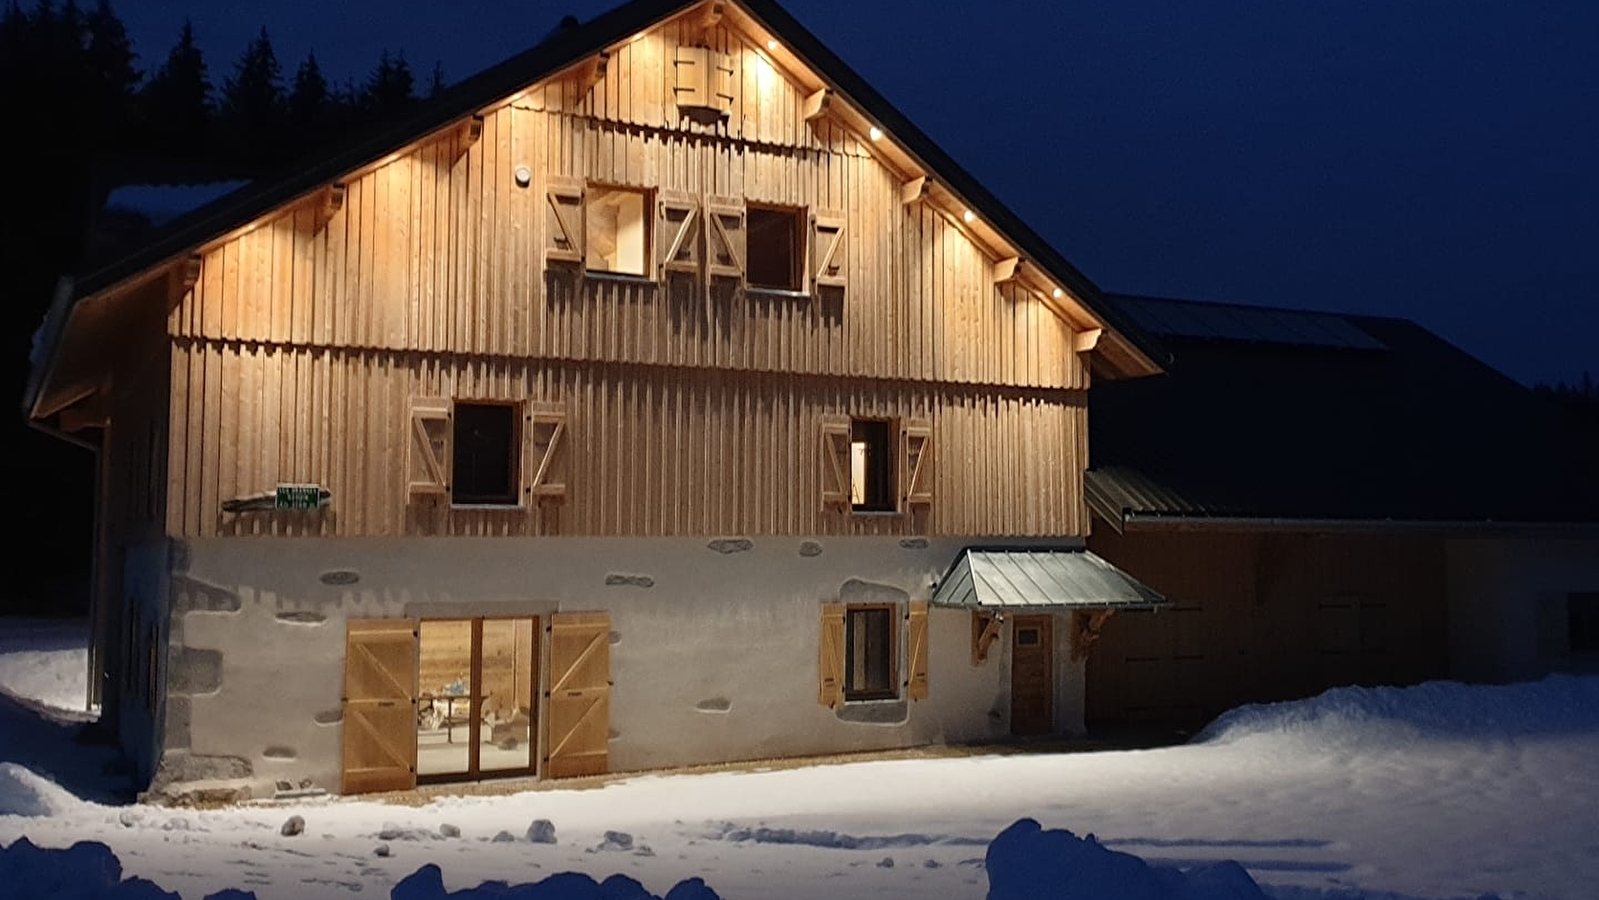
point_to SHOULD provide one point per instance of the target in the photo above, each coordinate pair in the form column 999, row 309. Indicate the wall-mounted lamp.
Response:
column 524, row 176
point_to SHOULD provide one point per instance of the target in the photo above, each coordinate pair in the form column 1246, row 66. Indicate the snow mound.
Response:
column 24, row 793
column 1559, row 704
column 1025, row 862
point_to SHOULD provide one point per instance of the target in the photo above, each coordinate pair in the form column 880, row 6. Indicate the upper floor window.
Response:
column 485, row 453
column 617, row 231
column 871, row 466
column 776, row 247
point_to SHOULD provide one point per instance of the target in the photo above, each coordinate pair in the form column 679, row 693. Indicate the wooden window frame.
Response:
column 798, row 281
column 514, row 453
column 851, row 693
column 884, row 500
column 594, row 192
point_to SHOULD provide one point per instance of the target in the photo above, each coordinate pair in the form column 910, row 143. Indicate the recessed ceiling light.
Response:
column 772, row 45
column 875, row 133
column 968, row 216
column 1059, row 293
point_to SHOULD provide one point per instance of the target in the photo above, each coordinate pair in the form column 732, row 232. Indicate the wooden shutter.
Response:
column 379, row 705
column 564, row 222
column 580, row 695
column 828, row 259
column 916, row 650
column 835, row 462
column 427, row 457
column 725, row 243
column 546, row 449
column 916, row 462
column 677, row 234
column 831, row 654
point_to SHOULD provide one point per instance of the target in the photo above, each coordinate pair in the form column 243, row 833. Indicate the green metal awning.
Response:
column 1041, row 579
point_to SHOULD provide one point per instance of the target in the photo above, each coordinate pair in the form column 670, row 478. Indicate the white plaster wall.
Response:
column 735, row 629
column 1495, row 589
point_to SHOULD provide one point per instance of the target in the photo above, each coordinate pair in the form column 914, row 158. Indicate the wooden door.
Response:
column 1032, row 675
column 580, row 695
column 379, row 705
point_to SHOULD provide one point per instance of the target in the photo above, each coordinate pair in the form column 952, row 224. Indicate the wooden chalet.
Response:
column 1332, row 499
column 660, row 396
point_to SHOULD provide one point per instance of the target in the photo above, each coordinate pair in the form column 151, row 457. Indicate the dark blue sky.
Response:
column 1431, row 159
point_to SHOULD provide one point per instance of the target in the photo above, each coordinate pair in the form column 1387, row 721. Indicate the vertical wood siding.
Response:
column 693, row 410
column 651, row 450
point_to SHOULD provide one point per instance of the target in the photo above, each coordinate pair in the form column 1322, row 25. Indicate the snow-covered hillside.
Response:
column 1437, row 791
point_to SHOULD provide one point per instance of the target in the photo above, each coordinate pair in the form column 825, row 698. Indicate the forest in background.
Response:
column 87, row 112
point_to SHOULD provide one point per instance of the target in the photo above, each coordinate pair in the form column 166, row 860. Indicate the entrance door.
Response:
column 1032, row 675
column 476, row 698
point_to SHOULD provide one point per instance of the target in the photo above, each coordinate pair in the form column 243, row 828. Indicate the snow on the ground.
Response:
column 1437, row 791
column 46, row 661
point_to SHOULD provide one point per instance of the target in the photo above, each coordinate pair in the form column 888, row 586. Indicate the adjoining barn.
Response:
column 1333, row 499
column 660, row 396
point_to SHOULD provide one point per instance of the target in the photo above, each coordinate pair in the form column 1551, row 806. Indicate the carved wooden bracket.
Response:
column 985, row 631
column 1086, row 627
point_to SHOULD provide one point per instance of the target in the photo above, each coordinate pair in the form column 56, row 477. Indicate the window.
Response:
column 775, row 245
column 484, row 471
column 1582, row 623
column 871, row 469
column 869, row 653
column 616, row 230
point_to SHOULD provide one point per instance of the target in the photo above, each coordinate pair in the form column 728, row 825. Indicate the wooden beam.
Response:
column 184, row 276
column 78, row 418
column 711, row 14
column 816, row 105
column 471, row 130
column 915, row 190
column 1086, row 340
column 1086, row 627
column 592, row 71
column 1007, row 269
column 985, row 631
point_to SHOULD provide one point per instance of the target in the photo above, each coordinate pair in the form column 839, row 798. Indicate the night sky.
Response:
column 1436, row 160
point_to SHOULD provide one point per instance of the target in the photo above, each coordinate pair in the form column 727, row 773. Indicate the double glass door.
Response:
column 477, row 698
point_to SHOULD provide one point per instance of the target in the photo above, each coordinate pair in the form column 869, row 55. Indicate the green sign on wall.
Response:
column 300, row 496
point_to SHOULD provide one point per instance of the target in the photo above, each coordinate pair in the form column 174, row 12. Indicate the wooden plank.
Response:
column 578, row 738
column 379, row 725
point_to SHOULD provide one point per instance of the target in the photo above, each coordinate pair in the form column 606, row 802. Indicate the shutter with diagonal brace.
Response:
column 379, row 730
column 725, row 237
column 578, row 741
column 828, row 258
column 916, row 650
column 563, row 221
column 835, row 462
column 916, row 462
column 830, row 657
column 427, row 457
column 677, row 234
column 546, row 448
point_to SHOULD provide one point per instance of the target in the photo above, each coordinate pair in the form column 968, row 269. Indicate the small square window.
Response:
column 869, row 653
column 485, row 468
column 1582, row 623
column 871, row 465
column 617, row 230
column 775, row 247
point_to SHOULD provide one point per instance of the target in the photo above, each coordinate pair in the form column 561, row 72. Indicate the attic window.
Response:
column 617, row 236
column 775, row 247
column 485, row 454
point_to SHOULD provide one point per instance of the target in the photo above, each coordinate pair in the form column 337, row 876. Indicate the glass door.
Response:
column 476, row 698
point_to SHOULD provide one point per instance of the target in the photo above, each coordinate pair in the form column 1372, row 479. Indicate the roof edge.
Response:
column 1159, row 522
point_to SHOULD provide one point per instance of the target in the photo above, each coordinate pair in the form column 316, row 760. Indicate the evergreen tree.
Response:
column 177, row 103
column 113, row 76
column 253, row 108
column 437, row 84
column 391, row 87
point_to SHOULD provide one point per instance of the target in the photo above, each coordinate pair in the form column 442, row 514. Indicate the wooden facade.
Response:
column 1262, row 616
column 692, row 404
